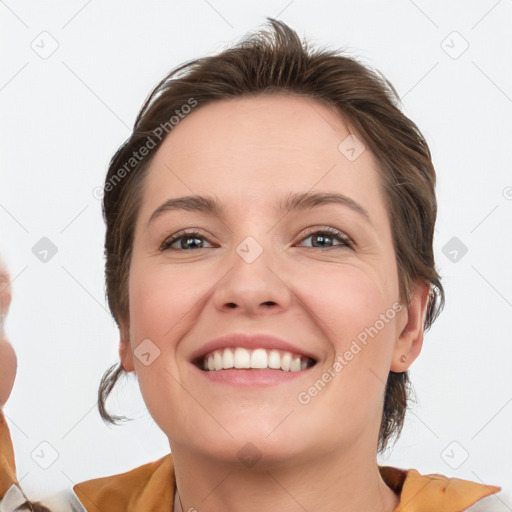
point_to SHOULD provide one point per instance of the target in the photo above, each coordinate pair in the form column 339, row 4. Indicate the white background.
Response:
column 64, row 116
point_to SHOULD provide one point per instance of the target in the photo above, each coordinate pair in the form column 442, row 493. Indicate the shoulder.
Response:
column 152, row 485
column 7, row 465
column 424, row 492
column 501, row 502
column 63, row 501
column 136, row 489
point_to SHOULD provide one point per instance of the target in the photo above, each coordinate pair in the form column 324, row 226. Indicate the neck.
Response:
column 328, row 482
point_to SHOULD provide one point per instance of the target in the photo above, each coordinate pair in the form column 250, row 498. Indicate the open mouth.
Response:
column 260, row 358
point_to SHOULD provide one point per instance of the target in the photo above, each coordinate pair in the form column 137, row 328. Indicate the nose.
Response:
column 253, row 287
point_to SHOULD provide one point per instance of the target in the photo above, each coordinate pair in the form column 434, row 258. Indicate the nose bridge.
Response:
column 253, row 281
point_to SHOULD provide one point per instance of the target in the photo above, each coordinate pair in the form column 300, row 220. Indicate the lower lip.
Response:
column 252, row 377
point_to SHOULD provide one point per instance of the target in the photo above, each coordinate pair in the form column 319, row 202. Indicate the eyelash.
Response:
column 335, row 233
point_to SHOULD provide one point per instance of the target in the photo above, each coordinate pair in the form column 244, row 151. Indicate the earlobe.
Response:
column 410, row 341
column 125, row 350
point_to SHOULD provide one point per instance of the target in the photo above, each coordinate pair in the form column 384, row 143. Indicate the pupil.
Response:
column 321, row 238
column 188, row 244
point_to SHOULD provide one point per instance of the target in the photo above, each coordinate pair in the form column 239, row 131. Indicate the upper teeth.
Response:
column 239, row 357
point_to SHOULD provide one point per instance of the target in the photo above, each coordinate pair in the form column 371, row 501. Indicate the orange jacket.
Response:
column 151, row 487
column 147, row 489
column 7, row 467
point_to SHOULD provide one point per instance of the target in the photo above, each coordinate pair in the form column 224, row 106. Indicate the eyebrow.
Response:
column 294, row 202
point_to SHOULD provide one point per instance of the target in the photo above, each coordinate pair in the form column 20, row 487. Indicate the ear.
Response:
column 410, row 340
column 125, row 349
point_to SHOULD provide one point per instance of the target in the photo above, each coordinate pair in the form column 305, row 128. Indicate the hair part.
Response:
column 276, row 61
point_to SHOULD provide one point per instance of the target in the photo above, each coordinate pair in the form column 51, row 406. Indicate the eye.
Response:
column 323, row 238
column 189, row 240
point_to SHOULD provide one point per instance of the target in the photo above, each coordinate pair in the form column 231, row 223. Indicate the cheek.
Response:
column 349, row 301
column 160, row 298
column 358, row 317
column 161, row 301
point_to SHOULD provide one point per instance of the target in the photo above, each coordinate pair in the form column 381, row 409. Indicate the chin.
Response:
column 253, row 454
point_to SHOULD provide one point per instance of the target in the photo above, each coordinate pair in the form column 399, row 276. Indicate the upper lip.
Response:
column 249, row 341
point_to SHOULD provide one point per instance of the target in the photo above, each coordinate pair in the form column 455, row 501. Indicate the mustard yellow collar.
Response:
column 7, row 466
column 147, row 489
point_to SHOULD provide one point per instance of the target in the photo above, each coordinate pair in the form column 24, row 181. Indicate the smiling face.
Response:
column 316, row 272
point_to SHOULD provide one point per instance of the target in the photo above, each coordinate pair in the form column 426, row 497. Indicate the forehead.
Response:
column 263, row 146
column 277, row 124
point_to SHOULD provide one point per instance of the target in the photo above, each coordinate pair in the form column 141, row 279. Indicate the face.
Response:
column 320, row 275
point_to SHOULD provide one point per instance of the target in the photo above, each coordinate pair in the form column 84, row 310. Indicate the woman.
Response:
column 269, row 264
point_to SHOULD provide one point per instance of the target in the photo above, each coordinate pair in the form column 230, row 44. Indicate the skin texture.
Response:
column 249, row 153
column 8, row 362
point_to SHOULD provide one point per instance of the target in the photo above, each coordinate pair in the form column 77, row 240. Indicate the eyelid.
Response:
column 330, row 231
column 186, row 232
column 190, row 232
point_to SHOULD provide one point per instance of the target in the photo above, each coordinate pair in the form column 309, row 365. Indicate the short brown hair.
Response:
column 276, row 61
